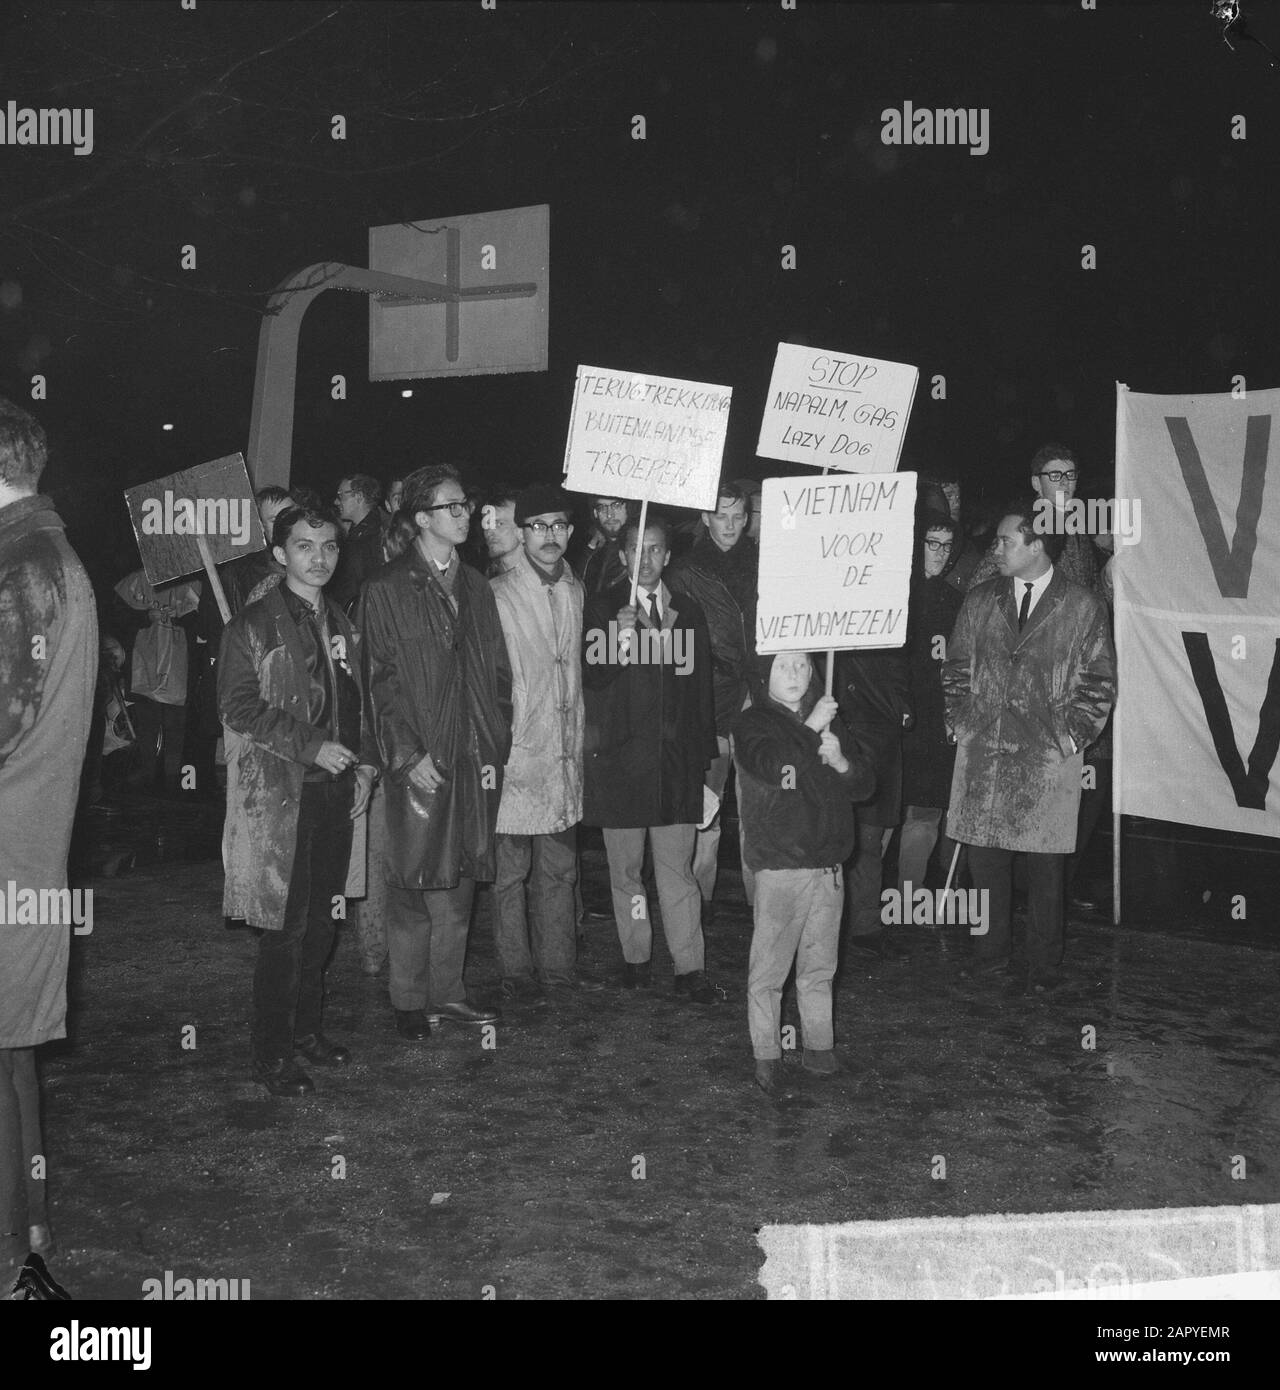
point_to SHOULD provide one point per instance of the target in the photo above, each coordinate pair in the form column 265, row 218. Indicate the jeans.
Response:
column 547, row 920
column 22, row 1197
column 992, row 869
column 797, row 921
column 288, row 984
column 672, row 847
column 427, row 942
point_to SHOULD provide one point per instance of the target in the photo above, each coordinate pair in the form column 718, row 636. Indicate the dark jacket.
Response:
column 263, row 689
column 361, row 556
column 436, row 684
column 709, row 577
column 874, row 691
column 650, row 731
column 602, row 568
column 797, row 813
column 927, row 754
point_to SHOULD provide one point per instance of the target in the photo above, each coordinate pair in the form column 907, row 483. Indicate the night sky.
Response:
column 1112, row 128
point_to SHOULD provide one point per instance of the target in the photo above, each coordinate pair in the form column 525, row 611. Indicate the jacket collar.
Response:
column 27, row 514
column 1052, row 597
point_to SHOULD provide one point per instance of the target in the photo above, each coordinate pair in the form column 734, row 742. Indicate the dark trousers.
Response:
column 1093, row 802
column 546, row 921
column 288, row 984
column 22, row 1202
column 992, row 870
column 863, row 879
column 158, row 723
column 427, row 944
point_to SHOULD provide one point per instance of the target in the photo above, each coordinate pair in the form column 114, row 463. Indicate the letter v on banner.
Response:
column 1250, row 787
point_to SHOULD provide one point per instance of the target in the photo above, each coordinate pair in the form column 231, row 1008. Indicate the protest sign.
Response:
column 835, row 562
column 646, row 437
column 195, row 519
column 835, row 410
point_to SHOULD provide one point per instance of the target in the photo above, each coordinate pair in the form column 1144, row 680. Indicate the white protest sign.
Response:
column 835, row 410
column 835, row 562
column 640, row 436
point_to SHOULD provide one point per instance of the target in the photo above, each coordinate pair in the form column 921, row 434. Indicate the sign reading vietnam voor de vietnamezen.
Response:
column 835, row 410
column 835, row 562
column 638, row 436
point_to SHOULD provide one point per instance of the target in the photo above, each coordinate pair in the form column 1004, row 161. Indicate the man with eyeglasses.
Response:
column 357, row 502
column 439, row 687
column 602, row 564
column 540, row 604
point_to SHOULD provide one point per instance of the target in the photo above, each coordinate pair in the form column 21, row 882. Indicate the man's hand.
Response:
column 823, row 713
column 829, row 752
column 364, row 790
column 626, row 618
column 426, row 776
column 334, row 757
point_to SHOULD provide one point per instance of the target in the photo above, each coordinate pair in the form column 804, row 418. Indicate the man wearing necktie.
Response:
column 1029, row 680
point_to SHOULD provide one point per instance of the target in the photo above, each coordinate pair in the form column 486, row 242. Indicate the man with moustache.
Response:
column 439, row 686
column 540, row 603
column 1029, row 681
column 289, row 694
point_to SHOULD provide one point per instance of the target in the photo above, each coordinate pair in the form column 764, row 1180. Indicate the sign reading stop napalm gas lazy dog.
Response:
column 835, row 562
column 653, row 437
column 836, row 410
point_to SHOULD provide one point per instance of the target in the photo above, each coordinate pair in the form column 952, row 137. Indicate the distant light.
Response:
column 166, row 427
column 406, row 394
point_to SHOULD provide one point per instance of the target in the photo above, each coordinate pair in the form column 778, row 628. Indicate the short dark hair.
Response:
column 1025, row 510
column 1046, row 453
column 283, row 525
column 368, row 487
column 400, row 535
column 936, row 521
column 421, row 486
column 653, row 522
column 502, row 494
column 735, row 493
column 271, row 493
column 306, row 497
column 24, row 447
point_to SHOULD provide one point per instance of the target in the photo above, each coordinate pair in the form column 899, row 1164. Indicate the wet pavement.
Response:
column 614, row 1145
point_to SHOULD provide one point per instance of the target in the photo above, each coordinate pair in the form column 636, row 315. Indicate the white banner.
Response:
column 835, row 562
column 1198, row 611
column 835, row 410
column 640, row 436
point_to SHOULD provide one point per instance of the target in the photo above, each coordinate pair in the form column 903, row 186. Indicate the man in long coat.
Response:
column 48, row 666
column 540, row 603
column 1028, row 681
column 650, row 737
column 290, row 699
column 439, row 688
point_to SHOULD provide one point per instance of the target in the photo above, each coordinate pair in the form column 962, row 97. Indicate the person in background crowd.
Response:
column 798, row 769
column 395, row 496
column 357, row 500
column 289, row 692
column 540, row 604
column 245, row 574
column 1095, row 794
column 874, row 692
column 502, row 537
column 927, row 752
column 720, row 574
column 601, row 568
column 439, row 683
column 158, row 672
column 650, row 735
column 751, row 490
column 48, row 666
column 1029, row 681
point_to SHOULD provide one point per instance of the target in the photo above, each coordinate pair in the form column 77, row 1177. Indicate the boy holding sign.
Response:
column 799, row 773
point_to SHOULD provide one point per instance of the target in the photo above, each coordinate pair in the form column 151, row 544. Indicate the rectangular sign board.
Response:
column 835, row 562
column 637, row 436
column 835, row 410
column 212, row 500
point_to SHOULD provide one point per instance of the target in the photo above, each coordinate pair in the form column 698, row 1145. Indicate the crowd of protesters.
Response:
column 422, row 692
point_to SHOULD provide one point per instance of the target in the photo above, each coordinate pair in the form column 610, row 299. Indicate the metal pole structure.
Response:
column 271, row 428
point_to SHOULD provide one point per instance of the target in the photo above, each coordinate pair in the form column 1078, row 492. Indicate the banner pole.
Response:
column 831, row 656
column 202, row 545
column 635, row 569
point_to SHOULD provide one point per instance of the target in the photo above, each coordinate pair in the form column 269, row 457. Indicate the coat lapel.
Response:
column 1053, row 596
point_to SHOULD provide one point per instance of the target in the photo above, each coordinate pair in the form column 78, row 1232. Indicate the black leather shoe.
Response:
column 573, row 984
column 636, row 976
column 462, row 1013
column 282, row 1076
column 412, row 1025
column 315, row 1047
column 36, row 1285
column 521, row 989
column 697, row 989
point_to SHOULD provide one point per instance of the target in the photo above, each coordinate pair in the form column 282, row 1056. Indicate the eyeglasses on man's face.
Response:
column 455, row 509
column 938, row 547
column 1057, row 475
column 611, row 506
column 540, row 528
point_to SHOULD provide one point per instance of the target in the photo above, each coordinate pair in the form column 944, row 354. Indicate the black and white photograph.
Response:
column 704, row 727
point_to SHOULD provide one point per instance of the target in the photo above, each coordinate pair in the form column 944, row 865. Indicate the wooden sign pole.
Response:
column 202, row 545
